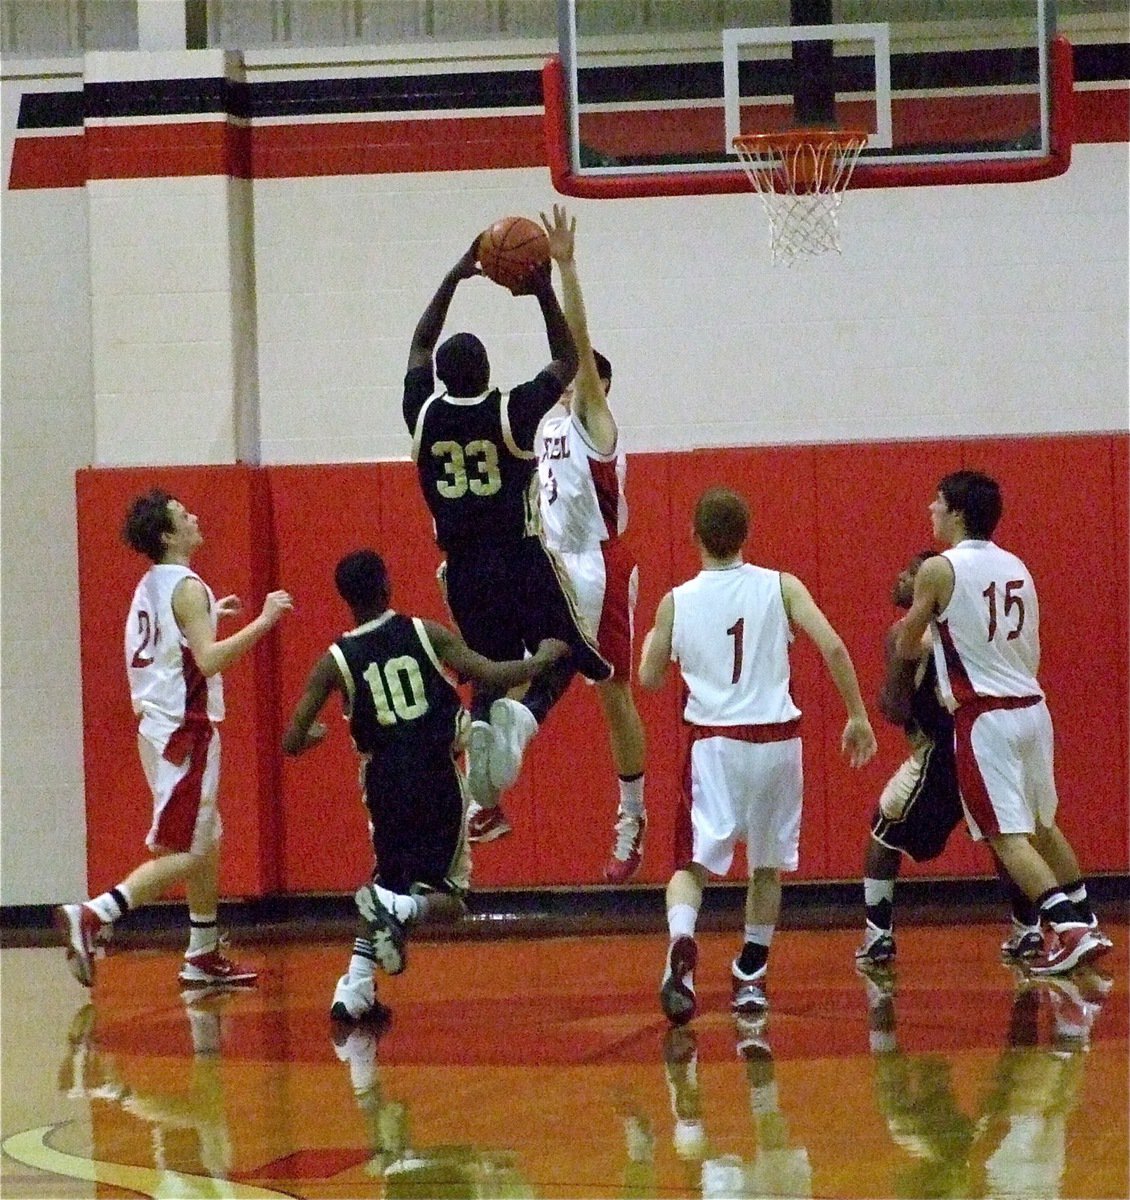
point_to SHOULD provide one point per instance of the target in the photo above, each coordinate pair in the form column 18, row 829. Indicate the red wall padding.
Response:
column 842, row 518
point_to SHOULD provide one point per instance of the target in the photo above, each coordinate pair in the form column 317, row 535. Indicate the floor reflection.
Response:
column 545, row 1069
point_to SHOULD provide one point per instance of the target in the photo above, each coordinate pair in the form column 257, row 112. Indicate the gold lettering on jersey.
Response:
column 554, row 446
column 472, row 468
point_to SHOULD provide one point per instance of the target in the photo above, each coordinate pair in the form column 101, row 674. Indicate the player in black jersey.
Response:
column 407, row 723
column 921, row 804
column 473, row 446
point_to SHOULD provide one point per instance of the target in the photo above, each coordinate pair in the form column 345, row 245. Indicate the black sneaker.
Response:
column 878, row 948
column 1023, row 944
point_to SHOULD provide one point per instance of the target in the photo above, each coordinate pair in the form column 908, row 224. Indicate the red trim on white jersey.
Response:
column 582, row 489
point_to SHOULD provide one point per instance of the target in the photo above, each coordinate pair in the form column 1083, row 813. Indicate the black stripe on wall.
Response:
column 405, row 93
column 454, row 91
column 167, row 97
column 50, row 110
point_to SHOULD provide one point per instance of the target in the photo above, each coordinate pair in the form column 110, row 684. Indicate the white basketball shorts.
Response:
column 1005, row 766
column 182, row 769
column 745, row 792
column 606, row 583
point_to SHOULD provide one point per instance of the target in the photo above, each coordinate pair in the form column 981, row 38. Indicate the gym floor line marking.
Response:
column 30, row 1148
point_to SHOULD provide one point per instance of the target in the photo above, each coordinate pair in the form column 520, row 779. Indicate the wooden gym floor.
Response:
column 542, row 1067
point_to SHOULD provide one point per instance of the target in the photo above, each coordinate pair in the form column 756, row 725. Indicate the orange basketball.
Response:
column 510, row 249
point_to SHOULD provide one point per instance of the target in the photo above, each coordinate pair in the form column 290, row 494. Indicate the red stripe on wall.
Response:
column 1102, row 116
column 388, row 147
column 48, row 162
column 177, row 149
column 463, row 143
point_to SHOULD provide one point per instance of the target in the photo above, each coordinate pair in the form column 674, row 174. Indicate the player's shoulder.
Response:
column 546, row 383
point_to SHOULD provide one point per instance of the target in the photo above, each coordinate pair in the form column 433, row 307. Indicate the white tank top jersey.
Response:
column 165, row 683
column 582, row 490
column 731, row 639
column 987, row 639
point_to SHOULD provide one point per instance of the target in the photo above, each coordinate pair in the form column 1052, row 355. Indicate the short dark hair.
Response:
column 721, row 521
column 147, row 519
column 362, row 581
column 977, row 497
column 603, row 366
column 462, row 365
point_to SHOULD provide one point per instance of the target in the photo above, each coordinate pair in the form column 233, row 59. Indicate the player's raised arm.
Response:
column 590, row 404
column 561, row 344
column 430, row 324
column 190, row 607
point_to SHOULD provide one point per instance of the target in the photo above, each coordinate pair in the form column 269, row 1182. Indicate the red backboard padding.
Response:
column 842, row 518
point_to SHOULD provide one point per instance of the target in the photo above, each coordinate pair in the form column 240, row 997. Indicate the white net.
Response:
column 800, row 177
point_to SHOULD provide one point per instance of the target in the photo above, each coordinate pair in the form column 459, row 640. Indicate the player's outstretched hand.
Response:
column 858, row 742
column 275, row 605
column 561, row 233
column 537, row 282
column 228, row 606
column 468, row 264
column 550, row 650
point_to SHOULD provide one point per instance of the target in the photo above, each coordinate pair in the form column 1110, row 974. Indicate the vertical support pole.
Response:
column 814, row 83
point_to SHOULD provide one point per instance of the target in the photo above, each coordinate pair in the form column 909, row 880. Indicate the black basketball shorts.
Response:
column 931, row 808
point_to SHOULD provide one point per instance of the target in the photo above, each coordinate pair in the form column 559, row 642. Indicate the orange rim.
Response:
column 790, row 139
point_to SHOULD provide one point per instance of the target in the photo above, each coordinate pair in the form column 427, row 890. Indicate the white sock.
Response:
column 761, row 934
column 681, row 919
column 875, row 891
column 631, row 795
column 110, row 905
column 361, row 965
column 202, row 935
column 403, row 908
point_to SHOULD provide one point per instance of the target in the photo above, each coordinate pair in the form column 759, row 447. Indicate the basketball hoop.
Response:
column 800, row 176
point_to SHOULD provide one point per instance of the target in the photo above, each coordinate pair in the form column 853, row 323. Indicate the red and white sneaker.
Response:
column 213, row 968
column 627, row 854
column 486, row 824
column 1105, row 944
column 81, row 929
column 676, row 993
column 1065, row 949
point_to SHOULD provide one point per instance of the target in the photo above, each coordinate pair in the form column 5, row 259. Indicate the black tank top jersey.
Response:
column 403, row 707
column 476, row 487
column 926, row 710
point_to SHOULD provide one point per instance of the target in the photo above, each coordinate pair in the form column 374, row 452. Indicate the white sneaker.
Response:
column 690, row 1140
column 479, row 743
column 386, row 931
column 353, row 999
column 514, row 726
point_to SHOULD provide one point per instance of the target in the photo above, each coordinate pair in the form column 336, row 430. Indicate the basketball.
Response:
column 510, row 249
